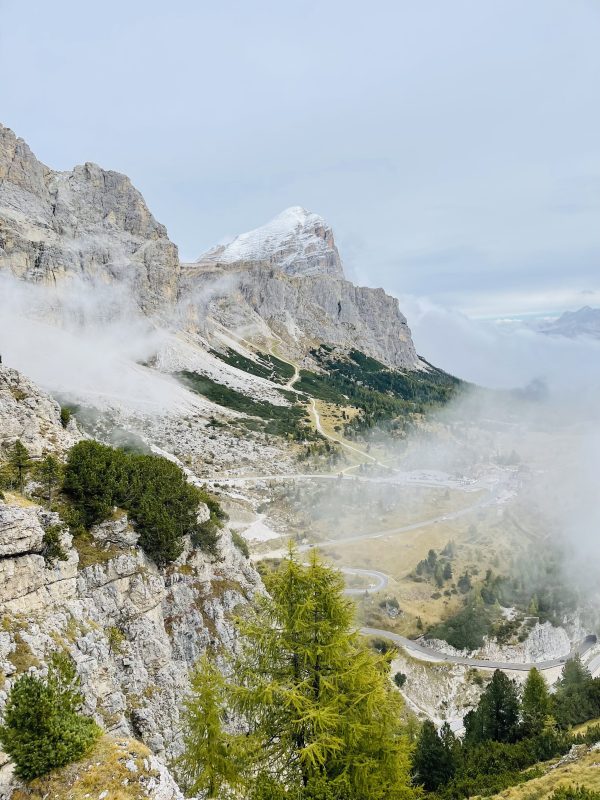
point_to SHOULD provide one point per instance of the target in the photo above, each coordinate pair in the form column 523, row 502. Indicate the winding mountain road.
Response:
column 489, row 499
column 418, row 648
column 295, row 376
column 379, row 580
column 398, row 479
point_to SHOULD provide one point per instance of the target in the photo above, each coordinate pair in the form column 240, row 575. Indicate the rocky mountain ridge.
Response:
column 287, row 286
column 89, row 222
column 297, row 242
column 281, row 285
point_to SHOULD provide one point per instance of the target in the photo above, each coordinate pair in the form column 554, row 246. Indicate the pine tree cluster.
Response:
column 154, row 492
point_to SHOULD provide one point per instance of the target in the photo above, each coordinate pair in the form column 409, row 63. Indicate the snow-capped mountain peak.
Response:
column 297, row 241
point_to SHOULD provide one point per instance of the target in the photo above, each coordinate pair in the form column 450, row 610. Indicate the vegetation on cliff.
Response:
column 153, row 491
column 43, row 728
column 507, row 735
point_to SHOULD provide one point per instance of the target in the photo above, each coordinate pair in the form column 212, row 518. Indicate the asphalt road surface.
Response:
column 419, row 648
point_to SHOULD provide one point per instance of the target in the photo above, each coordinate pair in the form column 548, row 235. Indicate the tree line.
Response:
column 508, row 732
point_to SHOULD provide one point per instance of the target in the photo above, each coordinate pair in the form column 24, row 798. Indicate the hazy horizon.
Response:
column 454, row 148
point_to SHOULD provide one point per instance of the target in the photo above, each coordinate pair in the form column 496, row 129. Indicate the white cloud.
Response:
column 85, row 341
column 501, row 356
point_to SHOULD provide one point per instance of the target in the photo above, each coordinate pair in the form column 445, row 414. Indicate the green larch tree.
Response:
column 535, row 704
column 321, row 716
column 319, row 702
column 20, row 463
column 209, row 764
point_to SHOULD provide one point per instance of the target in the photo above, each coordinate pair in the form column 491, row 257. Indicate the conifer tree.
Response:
column 574, row 700
column 535, row 705
column 20, row 463
column 533, row 608
column 95, row 479
column 154, row 492
column 433, row 758
column 322, row 707
column 49, row 472
column 322, row 717
column 42, row 728
column 208, row 764
column 452, row 746
column 497, row 715
column 473, row 728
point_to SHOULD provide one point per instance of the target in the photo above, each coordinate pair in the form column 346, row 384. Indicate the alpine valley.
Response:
column 295, row 405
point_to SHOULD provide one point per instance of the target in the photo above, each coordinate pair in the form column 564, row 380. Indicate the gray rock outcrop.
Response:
column 27, row 582
column 29, row 414
column 133, row 630
column 87, row 223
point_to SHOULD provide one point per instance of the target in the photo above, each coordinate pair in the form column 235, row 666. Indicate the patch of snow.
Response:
column 299, row 241
column 256, row 244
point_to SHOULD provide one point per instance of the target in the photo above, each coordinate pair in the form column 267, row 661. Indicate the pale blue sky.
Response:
column 454, row 145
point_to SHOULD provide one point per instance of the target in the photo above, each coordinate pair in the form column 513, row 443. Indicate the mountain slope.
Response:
column 96, row 308
column 160, row 620
column 281, row 285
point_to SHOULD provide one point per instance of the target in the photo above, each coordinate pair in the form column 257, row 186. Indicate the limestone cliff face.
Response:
column 27, row 583
column 543, row 642
column 265, row 305
column 32, row 416
column 285, row 282
column 133, row 630
column 88, row 223
column 321, row 309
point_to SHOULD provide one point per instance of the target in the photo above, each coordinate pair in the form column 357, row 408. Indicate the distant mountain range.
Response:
column 584, row 322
